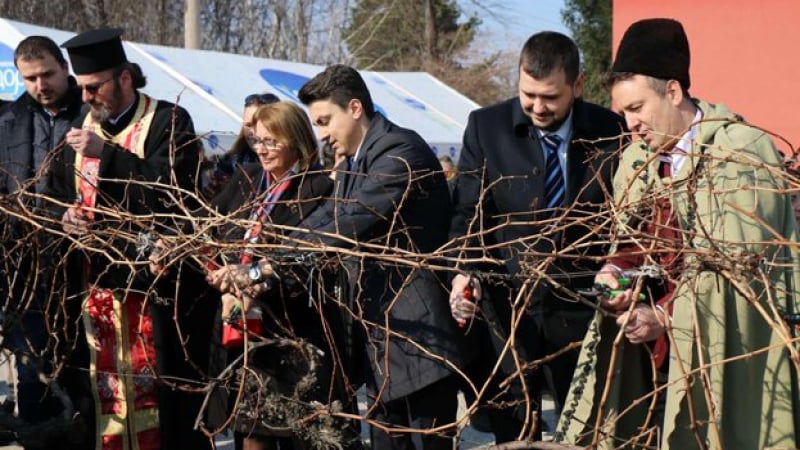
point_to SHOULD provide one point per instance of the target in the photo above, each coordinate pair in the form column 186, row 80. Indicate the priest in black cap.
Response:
column 116, row 180
column 698, row 192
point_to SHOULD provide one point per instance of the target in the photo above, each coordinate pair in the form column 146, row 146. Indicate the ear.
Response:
column 125, row 78
column 577, row 87
column 355, row 108
column 674, row 92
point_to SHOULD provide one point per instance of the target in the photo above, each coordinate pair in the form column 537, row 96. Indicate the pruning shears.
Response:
column 602, row 290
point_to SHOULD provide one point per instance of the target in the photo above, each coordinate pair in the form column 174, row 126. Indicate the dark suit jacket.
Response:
column 396, row 197
column 499, row 155
column 500, row 189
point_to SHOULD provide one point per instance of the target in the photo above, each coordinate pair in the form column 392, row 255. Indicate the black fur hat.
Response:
column 655, row 47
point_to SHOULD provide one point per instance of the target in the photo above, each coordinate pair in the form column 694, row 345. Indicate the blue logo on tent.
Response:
column 204, row 87
column 11, row 85
column 413, row 103
column 289, row 84
column 416, row 104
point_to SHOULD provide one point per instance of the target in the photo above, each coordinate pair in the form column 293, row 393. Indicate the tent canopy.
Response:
column 212, row 87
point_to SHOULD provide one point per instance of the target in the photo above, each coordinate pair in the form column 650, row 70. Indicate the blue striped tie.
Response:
column 554, row 183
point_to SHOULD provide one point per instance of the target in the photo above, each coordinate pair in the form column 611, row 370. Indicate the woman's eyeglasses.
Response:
column 268, row 143
column 260, row 99
column 92, row 88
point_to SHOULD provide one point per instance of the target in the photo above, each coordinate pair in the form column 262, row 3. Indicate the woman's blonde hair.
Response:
column 289, row 125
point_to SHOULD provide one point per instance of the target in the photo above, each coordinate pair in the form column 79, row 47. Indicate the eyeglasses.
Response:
column 94, row 87
column 268, row 143
column 260, row 99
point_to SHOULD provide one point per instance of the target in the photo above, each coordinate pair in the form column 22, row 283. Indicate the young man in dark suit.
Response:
column 534, row 172
column 389, row 193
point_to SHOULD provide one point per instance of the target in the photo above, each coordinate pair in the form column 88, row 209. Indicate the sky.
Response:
column 508, row 23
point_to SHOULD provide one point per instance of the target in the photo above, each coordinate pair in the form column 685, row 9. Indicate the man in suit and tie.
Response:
column 390, row 194
column 534, row 174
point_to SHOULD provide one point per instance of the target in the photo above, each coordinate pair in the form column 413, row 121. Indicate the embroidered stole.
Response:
column 118, row 323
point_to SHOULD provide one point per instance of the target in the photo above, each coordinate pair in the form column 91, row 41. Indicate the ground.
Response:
column 470, row 438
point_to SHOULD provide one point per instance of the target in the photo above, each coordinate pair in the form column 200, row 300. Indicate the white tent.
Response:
column 212, row 86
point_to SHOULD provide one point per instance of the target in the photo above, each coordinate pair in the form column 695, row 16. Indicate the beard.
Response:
column 46, row 99
column 556, row 122
column 100, row 112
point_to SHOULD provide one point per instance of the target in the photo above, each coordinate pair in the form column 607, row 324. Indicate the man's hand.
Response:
column 645, row 324
column 609, row 276
column 256, row 290
column 235, row 278
column 74, row 220
column 230, row 277
column 156, row 259
column 84, row 142
column 463, row 309
column 230, row 303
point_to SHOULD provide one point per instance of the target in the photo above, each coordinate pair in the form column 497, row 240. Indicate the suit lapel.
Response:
column 576, row 169
column 528, row 156
column 347, row 176
column 577, row 152
column 532, row 153
column 339, row 180
column 377, row 128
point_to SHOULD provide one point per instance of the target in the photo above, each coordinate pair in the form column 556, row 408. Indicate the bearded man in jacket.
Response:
column 122, row 175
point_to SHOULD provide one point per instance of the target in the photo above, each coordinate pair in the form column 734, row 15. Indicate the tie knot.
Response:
column 552, row 141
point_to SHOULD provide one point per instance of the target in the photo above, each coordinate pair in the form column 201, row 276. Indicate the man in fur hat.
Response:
column 702, row 360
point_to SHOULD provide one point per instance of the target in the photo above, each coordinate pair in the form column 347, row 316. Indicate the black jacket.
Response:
column 288, row 311
column 28, row 137
column 396, row 197
column 298, row 306
column 127, row 184
column 181, row 325
column 18, row 156
column 500, row 188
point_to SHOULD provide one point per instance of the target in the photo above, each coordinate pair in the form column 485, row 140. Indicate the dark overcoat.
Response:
column 394, row 199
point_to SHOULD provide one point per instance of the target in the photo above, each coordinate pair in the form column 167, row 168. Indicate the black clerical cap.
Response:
column 96, row 50
column 655, row 47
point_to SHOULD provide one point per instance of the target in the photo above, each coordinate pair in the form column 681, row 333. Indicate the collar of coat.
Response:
column 581, row 119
